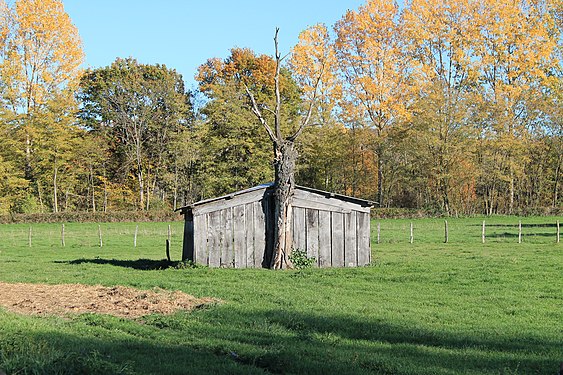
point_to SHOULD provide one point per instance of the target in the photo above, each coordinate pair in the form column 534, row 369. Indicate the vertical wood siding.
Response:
column 249, row 230
column 200, row 240
column 241, row 235
column 337, row 230
column 312, row 234
column 350, row 247
column 214, row 238
column 325, row 239
column 363, row 235
column 259, row 235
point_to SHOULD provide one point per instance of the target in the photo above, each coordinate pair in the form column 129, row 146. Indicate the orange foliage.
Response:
column 44, row 54
column 372, row 60
column 5, row 21
column 243, row 65
column 314, row 57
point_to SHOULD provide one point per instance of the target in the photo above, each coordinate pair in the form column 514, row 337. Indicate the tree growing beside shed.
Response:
column 285, row 156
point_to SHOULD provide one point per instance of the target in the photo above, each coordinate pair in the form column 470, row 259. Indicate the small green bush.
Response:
column 185, row 265
column 300, row 260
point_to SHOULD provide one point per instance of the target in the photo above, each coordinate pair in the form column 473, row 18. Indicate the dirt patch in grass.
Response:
column 41, row 299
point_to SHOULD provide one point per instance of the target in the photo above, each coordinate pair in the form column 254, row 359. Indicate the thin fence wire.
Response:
column 151, row 237
column 465, row 231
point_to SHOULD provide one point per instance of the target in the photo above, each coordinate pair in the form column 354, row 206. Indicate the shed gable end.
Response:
column 237, row 230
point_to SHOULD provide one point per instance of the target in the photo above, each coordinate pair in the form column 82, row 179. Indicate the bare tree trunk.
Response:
column 153, row 189
column 28, row 170
column 93, row 189
column 149, row 191
column 379, row 175
column 556, row 183
column 148, row 196
column 88, row 196
column 140, row 175
column 105, row 191
column 66, row 199
column 494, row 201
column 445, row 197
column 141, row 182
column 55, row 190
column 40, row 194
column 175, row 185
column 284, row 185
column 446, row 200
column 285, row 156
column 511, row 201
column 354, row 160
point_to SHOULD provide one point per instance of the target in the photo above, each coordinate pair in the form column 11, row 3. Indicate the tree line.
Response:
column 444, row 105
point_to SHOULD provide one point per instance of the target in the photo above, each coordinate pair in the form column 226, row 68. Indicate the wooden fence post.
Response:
column 29, row 237
column 100, row 235
column 63, row 235
column 558, row 232
column 519, row 231
column 378, row 231
column 446, row 232
column 168, row 243
column 483, row 233
column 135, row 238
column 412, row 234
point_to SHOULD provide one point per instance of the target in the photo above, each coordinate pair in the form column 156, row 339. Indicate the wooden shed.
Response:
column 236, row 230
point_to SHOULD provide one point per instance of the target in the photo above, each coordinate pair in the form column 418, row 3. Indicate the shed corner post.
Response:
column 188, row 243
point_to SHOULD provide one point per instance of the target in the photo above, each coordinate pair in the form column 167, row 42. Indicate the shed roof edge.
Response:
column 362, row 202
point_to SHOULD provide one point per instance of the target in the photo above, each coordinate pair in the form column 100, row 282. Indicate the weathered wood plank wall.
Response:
column 363, row 235
column 350, row 247
column 238, row 232
column 312, row 229
column 259, row 235
column 200, row 239
column 325, row 240
column 334, row 238
column 213, row 238
column 337, row 229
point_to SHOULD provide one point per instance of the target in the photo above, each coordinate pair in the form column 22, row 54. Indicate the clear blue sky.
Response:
column 184, row 34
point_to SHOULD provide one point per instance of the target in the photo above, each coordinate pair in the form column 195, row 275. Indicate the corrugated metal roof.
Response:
column 362, row 202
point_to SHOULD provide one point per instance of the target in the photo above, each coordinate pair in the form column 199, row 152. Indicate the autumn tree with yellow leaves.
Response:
column 40, row 71
column 452, row 107
column 441, row 37
column 375, row 73
column 515, row 50
column 453, row 97
column 335, row 154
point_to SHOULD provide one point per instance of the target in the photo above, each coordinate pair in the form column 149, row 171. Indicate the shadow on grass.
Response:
column 547, row 225
column 341, row 344
column 60, row 353
column 230, row 341
column 138, row 264
column 514, row 235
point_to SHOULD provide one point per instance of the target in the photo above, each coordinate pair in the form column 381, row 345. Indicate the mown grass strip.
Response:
column 424, row 308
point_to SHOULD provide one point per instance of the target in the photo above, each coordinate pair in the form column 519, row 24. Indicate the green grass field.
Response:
column 425, row 308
